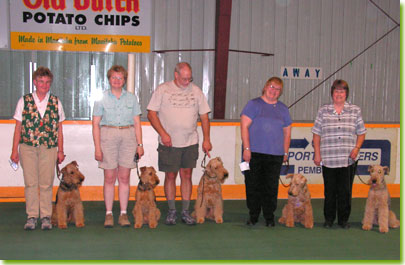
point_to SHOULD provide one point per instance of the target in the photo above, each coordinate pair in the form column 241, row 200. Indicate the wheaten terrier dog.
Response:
column 209, row 203
column 378, row 202
column 68, row 206
column 298, row 207
column 145, row 210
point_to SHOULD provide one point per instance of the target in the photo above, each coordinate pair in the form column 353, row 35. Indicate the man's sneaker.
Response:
column 31, row 223
column 46, row 223
column 123, row 220
column 171, row 217
column 186, row 218
column 109, row 221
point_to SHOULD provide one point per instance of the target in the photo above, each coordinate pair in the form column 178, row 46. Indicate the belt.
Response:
column 118, row 127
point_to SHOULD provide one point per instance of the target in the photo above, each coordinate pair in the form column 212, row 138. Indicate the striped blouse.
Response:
column 338, row 133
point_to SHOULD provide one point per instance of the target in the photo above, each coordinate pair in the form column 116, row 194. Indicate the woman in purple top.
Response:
column 266, row 133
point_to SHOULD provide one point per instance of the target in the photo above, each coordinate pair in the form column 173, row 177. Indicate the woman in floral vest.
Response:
column 38, row 144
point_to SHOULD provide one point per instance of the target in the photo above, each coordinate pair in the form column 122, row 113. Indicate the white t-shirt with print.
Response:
column 178, row 110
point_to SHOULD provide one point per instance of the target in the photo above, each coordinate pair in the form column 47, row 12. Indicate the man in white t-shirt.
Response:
column 173, row 112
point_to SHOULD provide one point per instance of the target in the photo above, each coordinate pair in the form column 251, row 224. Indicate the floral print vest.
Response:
column 36, row 131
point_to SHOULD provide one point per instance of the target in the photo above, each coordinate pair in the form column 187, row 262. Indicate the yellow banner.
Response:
column 79, row 42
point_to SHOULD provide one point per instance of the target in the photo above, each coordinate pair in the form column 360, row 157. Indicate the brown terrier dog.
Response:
column 145, row 210
column 378, row 202
column 68, row 206
column 209, row 203
column 298, row 207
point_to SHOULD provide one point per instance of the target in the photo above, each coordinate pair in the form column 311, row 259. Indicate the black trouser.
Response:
column 338, row 183
column 261, row 183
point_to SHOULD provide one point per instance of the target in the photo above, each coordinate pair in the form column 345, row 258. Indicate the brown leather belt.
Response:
column 118, row 127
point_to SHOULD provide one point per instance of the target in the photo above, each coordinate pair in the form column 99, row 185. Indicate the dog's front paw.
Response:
column 137, row 225
column 79, row 224
column 200, row 220
column 289, row 223
column 281, row 220
column 152, row 225
column 367, row 227
column 62, row 226
column 384, row 229
column 219, row 220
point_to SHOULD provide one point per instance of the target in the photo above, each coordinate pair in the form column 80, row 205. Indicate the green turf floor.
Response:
column 232, row 240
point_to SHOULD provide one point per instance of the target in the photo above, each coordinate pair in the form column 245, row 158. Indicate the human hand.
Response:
column 14, row 157
column 207, row 147
column 98, row 155
column 354, row 153
column 317, row 160
column 166, row 139
column 140, row 151
column 247, row 155
column 61, row 157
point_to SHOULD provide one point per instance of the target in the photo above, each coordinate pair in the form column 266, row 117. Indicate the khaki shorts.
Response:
column 171, row 159
column 118, row 147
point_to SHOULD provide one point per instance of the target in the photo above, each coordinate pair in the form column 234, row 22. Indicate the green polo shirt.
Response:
column 117, row 112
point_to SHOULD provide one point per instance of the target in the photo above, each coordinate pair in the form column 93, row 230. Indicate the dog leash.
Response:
column 204, row 161
column 58, row 173
column 203, row 165
column 286, row 172
column 357, row 174
column 136, row 160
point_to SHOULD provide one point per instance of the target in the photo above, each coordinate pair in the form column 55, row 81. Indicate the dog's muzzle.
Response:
column 144, row 186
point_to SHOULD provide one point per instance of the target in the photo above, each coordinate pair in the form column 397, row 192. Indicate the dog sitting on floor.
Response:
column 377, row 210
column 68, row 206
column 209, row 203
column 145, row 210
column 298, row 207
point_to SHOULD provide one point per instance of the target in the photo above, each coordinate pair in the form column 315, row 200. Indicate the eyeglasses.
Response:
column 275, row 88
column 187, row 79
column 117, row 78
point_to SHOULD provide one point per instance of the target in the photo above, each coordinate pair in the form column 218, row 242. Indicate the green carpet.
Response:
column 232, row 240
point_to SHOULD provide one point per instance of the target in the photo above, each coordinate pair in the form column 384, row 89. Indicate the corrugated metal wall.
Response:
column 312, row 33
column 317, row 33
column 178, row 25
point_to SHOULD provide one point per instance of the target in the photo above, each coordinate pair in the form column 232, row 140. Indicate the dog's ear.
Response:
column 75, row 163
column 370, row 167
column 208, row 169
column 219, row 159
column 157, row 180
column 142, row 169
column 64, row 170
column 289, row 176
column 386, row 170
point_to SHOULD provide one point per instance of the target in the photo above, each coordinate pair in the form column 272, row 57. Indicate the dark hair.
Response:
column 342, row 84
column 117, row 69
column 42, row 71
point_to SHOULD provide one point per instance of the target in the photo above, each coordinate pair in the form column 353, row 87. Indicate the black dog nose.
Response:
column 226, row 175
column 374, row 180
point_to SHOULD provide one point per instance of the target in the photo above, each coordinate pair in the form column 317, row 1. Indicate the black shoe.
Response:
column 345, row 225
column 251, row 222
column 328, row 224
column 270, row 223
